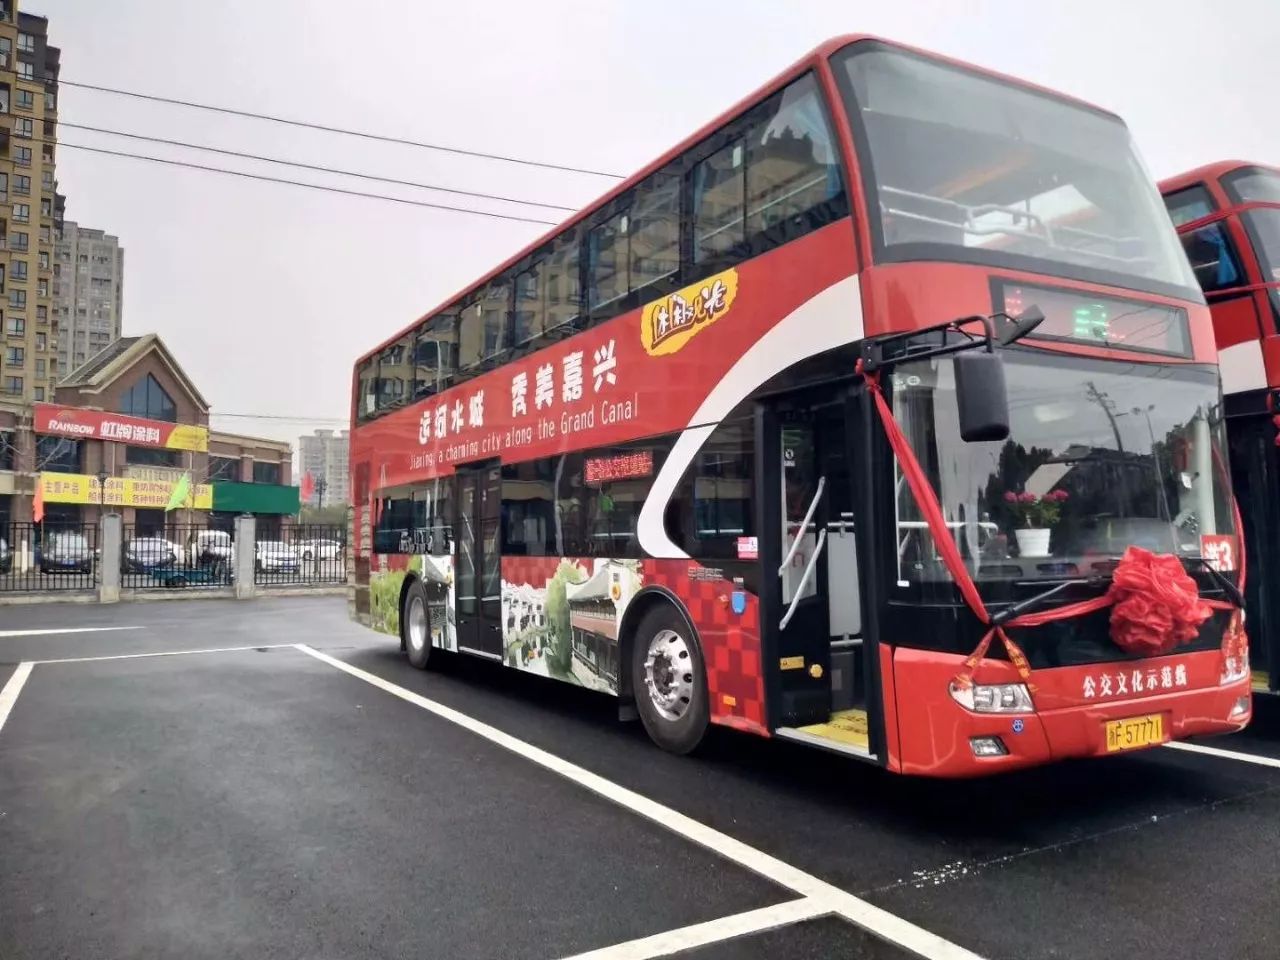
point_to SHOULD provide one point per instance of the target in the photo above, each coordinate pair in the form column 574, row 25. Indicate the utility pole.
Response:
column 1101, row 399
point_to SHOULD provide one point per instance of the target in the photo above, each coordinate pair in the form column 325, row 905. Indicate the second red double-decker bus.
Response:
column 882, row 414
column 1228, row 216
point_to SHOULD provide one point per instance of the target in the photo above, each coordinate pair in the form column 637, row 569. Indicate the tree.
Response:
column 560, row 659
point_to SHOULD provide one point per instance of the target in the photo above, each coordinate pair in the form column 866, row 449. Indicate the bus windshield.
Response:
column 1100, row 455
column 958, row 166
column 1253, row 185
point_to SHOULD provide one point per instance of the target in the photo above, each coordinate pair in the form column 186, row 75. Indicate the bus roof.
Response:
column 819, row 54
column 1210, row 171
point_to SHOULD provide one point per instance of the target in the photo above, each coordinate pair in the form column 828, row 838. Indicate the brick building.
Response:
column 138, row 377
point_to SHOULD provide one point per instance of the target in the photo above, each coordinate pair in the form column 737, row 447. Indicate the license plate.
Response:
column 1134, row 732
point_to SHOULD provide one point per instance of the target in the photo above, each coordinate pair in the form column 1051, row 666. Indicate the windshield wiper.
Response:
column 1229, row 588
column 1029, row 604
column 1017, row 609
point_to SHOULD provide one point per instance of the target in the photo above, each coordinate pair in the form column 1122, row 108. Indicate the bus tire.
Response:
column 669, row 680
column 415, row 625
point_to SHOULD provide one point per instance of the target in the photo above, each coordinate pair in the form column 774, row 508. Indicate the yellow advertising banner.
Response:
column 188, row 436
column 668, row 324
column 119, row 492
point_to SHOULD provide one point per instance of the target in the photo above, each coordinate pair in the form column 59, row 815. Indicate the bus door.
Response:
column 478, row 577
column 811, row 608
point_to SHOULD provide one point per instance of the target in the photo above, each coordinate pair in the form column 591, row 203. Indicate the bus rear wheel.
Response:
column 415, row 625
column 670, row 683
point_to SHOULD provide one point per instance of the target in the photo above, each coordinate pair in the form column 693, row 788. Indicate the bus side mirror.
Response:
column 981, row 396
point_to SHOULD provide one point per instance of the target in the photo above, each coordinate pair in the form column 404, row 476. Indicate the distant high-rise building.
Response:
column 87, row 293
column 28, row 194
column 324, row 456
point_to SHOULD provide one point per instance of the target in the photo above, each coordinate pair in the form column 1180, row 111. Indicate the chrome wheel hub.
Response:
column 417, row 622
column 668, row 674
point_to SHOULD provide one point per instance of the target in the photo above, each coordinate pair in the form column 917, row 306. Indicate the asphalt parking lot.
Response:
column 183, row 779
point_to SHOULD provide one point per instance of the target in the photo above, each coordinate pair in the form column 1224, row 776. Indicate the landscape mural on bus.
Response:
column 560, row 616
column 386, row 581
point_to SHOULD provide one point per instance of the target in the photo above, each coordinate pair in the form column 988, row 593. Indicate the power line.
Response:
column 300, row 183
column 315, row 167
column 279, row 416
column 309, row 125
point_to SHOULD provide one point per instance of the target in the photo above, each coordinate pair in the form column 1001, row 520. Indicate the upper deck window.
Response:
column 1189, row 204
column 1253, row 185
column 960, row 166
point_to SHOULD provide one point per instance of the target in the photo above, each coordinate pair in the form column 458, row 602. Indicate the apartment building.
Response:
column 324, row 456
column 88, row 286
column 29, row 208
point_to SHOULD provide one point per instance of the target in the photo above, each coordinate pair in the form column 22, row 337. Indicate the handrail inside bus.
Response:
column 1032, row 220
column 804, row 581
column 804, row 525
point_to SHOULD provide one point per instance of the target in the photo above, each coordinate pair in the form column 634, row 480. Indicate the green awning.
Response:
column 234, row 497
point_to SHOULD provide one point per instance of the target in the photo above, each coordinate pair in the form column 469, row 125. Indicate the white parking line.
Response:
column 9, row 695
column 713, row 931
column 4, row 634
column 168, row 653
column 880, row 922
column 1226, row 754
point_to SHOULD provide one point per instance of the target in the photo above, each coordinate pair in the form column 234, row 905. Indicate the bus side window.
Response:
column 719, row 194
column 794, row 184
column 607, row 255
column 367, row 397
column 1212, row 258
column 655, row 233
column 394, row 375
column 433, row 355
column 527, row 317
column 563, row 286
column 471, row 336
column 714, row 503
column 1189, row 204
column 496, row 303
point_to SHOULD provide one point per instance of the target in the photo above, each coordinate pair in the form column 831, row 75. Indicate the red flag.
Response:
column 37, row 502
column 308, row 487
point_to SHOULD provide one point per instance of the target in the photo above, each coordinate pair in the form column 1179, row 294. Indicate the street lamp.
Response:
column 102, row 491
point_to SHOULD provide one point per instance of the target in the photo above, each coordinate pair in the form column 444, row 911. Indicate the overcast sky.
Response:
column 266, row 293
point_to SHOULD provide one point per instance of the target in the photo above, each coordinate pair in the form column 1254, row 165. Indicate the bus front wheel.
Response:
column 670, row 681
column 415, row 624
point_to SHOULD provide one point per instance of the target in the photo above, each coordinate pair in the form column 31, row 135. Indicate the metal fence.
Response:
column 48, row 556
column 177, row 556
column 301, row 554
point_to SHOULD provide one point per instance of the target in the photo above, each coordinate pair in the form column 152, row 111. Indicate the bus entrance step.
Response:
column 844, row 732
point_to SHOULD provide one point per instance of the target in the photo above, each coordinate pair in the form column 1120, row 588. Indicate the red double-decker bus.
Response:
column 1228, row 217
column 881, row 414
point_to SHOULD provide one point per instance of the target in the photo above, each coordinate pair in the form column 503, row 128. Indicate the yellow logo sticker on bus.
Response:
column 668, row 324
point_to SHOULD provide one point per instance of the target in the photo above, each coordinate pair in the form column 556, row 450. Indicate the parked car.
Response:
column 147, row 553
column 273, row 556
column 319, row 549
column 66, row 551
column 6, row 558
column 207, row 548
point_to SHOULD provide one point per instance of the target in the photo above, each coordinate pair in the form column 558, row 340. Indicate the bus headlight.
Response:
column 1234, row 669
column 993, row 697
